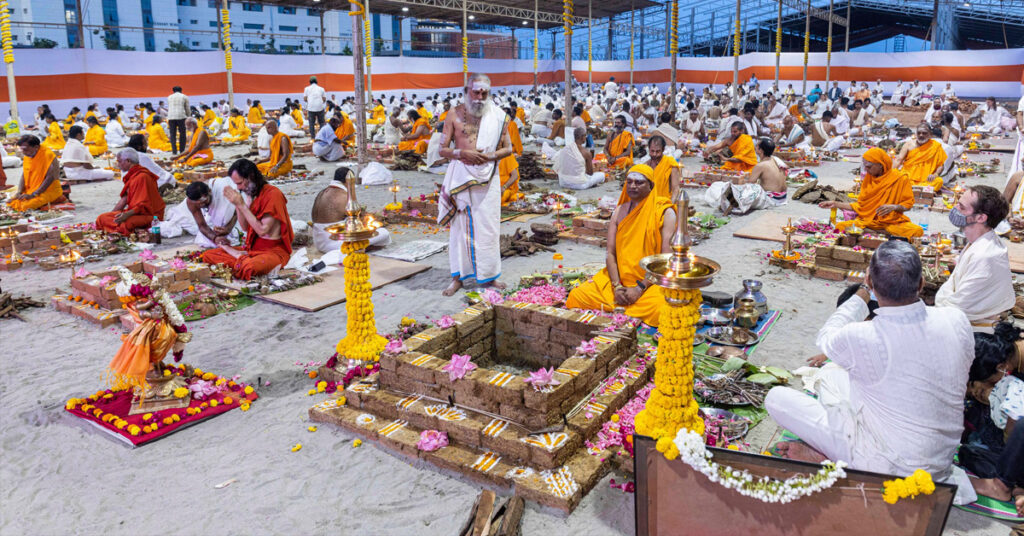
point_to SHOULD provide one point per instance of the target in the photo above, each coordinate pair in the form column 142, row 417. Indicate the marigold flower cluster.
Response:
column 361, row 342
column 918, row 483
column 671, row 406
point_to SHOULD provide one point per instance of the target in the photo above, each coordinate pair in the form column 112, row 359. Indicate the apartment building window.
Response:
column 252, row 26
column 147, row 24
column 214, row 45
column 213, row 24
column 215, row 4
column 187, row 3
column 286, row 10
column 193, row 21
column 71, row 23
column 288, row 28
column 248, row 6
column 112, row 34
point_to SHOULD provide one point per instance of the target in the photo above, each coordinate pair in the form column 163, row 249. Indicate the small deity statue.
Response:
column 159, row 328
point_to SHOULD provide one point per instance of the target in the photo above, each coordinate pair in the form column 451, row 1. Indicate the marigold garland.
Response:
column 918, row 483
column 361, row 342
column 671, row 406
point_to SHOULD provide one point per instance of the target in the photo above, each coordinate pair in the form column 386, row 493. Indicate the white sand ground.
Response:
column 58, row 477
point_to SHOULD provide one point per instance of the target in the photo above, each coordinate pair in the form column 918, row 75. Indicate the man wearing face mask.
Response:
column 980, row 285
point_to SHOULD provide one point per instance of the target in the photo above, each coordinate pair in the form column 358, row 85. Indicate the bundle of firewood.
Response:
column 491, row 516
column 9, row 305
column 521, row 244
column 530, row 167
column 407, row 161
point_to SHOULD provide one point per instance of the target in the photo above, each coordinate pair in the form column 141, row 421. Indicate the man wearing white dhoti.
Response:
column 329, row 208
column 894, row 402
column 980, row 285
column 288, row 125
column 763, row 187
column 792, row 135
column 470, row 199
column 77, row 162
column 326, row 145
column 205, row 213
column 574, row 162
column 263, row 142
column 8, row 160
column 776, row 112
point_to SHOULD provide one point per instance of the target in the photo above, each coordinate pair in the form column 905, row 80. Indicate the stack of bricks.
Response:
column 33, row 241
column 844, row 259
column 587, row 229
column 98, row 302
column 205, row 173
column 426, row 211
column 489, row 430
column 710, row 175
column 924, row 195
column 304, row 148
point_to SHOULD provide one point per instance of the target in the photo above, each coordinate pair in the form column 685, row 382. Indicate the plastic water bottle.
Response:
column 154, row 231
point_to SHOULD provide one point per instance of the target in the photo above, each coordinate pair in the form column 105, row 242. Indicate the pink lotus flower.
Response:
column 203, row 388
column 542, row 379
column 492, row 297
column 395, row 347
column 445, row 322
column 107, row 279
column 178, row 264
column 147, row 255
column 82, row 272
column 431, row 440
column 587, row 348
column 459, row 366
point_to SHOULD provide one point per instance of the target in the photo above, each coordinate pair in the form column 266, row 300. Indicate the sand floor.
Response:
column 59, row 477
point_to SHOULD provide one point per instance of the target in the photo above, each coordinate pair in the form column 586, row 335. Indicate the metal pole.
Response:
column 778, row 45
column 368, row 23
column 79, row 15
column 357, row 11
column 828, row 50
column 807, row 44
column 736, row 53
column 631, row 32
column 590, row 48
column 536, row 45
column 465, row 48
column 674, row 51
column 848, row 21
column 693, row 15
column 567, row 18
column 226, row 22
column 711, row 40
column 323, row 48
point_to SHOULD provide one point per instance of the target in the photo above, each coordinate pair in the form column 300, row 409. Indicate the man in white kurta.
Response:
column 114, row 134
column 981, row 285
column 893, row 400
column 992, row 117
column 571, row 165
column 470, row 199
column 216, row 210
column 78, row 163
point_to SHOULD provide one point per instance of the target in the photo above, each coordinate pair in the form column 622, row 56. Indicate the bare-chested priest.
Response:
column 471, row 193
column 329, row 209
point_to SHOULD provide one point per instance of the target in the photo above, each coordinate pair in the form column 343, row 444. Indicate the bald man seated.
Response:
column 329, row 209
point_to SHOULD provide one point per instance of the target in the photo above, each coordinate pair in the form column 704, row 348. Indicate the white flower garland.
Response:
column 693, row 451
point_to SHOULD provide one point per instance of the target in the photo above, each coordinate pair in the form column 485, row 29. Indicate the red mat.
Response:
column 108, row 411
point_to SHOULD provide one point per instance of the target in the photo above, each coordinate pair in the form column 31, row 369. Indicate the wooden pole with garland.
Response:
column 8, row 47
column 225, row 21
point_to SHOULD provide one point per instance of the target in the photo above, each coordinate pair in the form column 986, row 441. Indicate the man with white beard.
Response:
column 470, row 196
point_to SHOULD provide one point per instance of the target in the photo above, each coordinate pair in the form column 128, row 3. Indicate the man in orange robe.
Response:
column 268, row 242
column 885, row 195
column 140, row 198
column 279, row 162
column 508, row 167
column 666, row 171
column 198, row 151
column 640, row 227
column 744, row 157
column 619, row 149
column 418, row 137
column 922, row 159
column 346, row 131
column 40, row 180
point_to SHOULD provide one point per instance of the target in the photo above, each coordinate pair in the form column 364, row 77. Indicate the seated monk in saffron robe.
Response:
column 885, row 195
column 418, row 137
column 279, row 162
column 40, row 180
column 922, row 159
column 346, row 131
column 666, row 171
column 643, row 226
column 256, row 113
column 95, row 137
column 378, row 114
column 508, row 167
column 619, row 147
column 268, row 239
column 54, row 135
column 198, row 151
column 238, row 130
column 157, row 137
column 209, row 116
column 140, row 198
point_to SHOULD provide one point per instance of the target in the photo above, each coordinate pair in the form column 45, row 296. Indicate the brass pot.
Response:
column 746, row 315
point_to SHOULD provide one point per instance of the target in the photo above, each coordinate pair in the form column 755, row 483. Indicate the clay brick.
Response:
column 179, row 286
column 823, row 252
column 382, row 404
column 478, row 403
column 389, row 362
column 76, row 234
column 467, row 324
column 833, row 263
column 402, row 440
column 870, row 242
column 552, row 459
column 528, row 329
column 534, row 488
column 507, row 442
column 587, row 469
column 155, row 266
column 831, row 274
column 422, row 372
column 467, row 431
column 848, row 255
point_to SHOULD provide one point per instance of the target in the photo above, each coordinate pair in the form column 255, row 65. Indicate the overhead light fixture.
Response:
column 471, row 17
column 967, row 4
column 525, row 23
column 404, row 9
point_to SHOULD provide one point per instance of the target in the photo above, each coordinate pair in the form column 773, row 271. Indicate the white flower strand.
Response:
column 693, row 451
